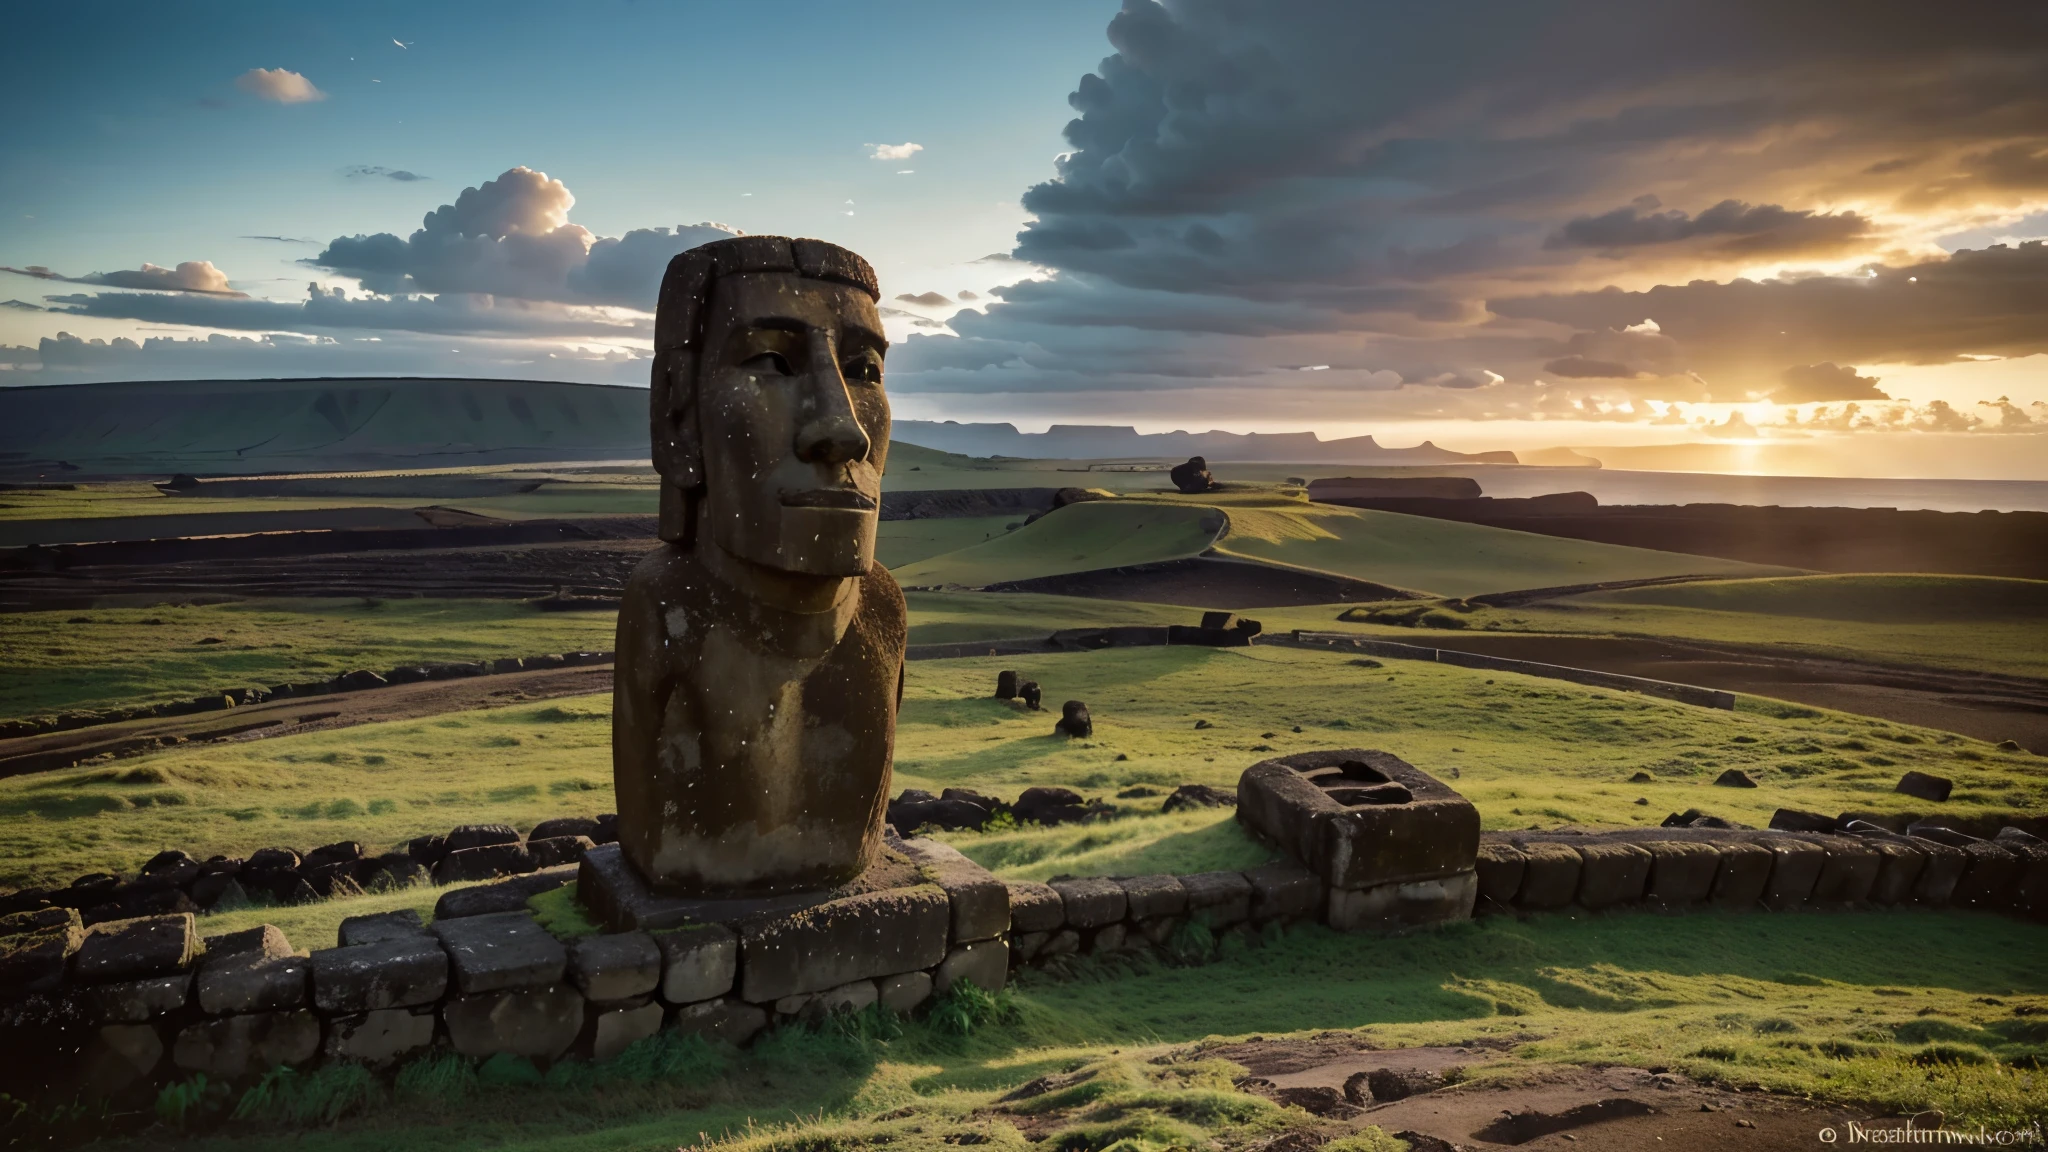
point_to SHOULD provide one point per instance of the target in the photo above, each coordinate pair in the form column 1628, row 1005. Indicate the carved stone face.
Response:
column 795, row 426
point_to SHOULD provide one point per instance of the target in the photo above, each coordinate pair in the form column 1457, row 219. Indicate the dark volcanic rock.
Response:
column 1199, row 796
column 1735, row 778
column 1923, row 786
column 481, row 835
column 1193, row 477
column 1028, row 692
column 1793, row 820
column 1006, row 685
column 1074, row 720
column 1050, row 806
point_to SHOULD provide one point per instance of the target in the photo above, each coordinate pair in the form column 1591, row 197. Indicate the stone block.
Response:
column 401, row 924
column 466, row 836
column 1158, row 931
column 1795, row 867
column 263, row 939
column 401, row 973
column 983, row 962
column 137, row 1001
column 1148, row 896
column 380, row 1037
column 1025, row 946
column 1899, row 866
column 1285, row 892
column 1035, row 907
column 537, row 1023
column 132, row 949
column 617, row 1029
column 1681, row 872
column 485, row 863
column 37, row 961
column 2030, row 889
column 980, row 903
column 1499, row 865
column 1360, row 818
column 39, row 920
column 231, row 1047
column 1406, row 904
column 1922, row 786
column 1744, row 873
column 848, row 998
column 1109, row 938
column 1550, row 876
column 854, row 938
column 615, row 966
column 558, row 850
column 508, row 895
column 1988, row 882
column 1945, row 866
column 1848, row 874
column 619, row 897
column 253, row 982
column 904, row 992
column 500, row 952
column 1064, row 942
column 732, row 1021
column 698, row 963
column 119, row 1056
column 1611, row 873
column 1090, row 902
column 1217, row 899
column 564, row 826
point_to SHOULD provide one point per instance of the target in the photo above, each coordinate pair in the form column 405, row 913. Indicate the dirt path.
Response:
column 300, row 714
column 1596, row 1109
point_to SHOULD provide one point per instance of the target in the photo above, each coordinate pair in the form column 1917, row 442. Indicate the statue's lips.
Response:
column 852, row 498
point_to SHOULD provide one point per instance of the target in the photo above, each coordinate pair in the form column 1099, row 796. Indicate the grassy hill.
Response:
column 1077, row 538
column 1867, row 599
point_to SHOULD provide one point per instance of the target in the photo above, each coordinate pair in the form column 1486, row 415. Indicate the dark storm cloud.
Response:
column 1737, row 229
column 65, row 357
column 451, row 313
column 1321, row 180
column 926, row 299
column 511, row 236
column 379, row 172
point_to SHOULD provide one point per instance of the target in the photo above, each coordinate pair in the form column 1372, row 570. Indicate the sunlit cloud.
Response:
column 279, row 85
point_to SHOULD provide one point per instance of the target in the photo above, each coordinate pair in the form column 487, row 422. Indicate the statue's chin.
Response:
column 826, row 542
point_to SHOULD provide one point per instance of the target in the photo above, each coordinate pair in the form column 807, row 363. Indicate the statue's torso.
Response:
column 744, row 763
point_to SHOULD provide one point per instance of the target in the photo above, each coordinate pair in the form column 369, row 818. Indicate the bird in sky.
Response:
column 401, row 43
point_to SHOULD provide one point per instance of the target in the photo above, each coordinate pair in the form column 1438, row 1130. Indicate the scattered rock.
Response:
column 1642, row 778
column 1006, row 685
column 1922, row 786
column 1074, row 720
column 2010, row 746
column 1794, row 820
column 564, row 826
column 1029, row 693
column 1734, row 778
column 1192, row 478
column 1199, row 796
column 1200, row 724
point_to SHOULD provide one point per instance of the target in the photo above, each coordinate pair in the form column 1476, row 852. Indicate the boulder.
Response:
column 399, row 924
column 616, row 1029
column 1049, row 806
column 1029, row 692
column 1793, row 820
column 264, row 939
column 468, row 836
column 537, row 1023
column 1500, row 867
column 39, row 919
column 132, row 949
column 564, row 826
column 1192, row 477
column 508, row 895
column 1735, row 778
column 1189, row 796
column 1006, row 685
column 137, row 1001
column 1922, row 786
column 500, row 952
column 1074, row 721
column 232, row 1047
column 403, row 972
column 253, row 982
column 905, row 992
column 617, row 966
column 485, row 862
column 697, row 963
column 36, row 961
column 346, row 852
column 394, row 870
column 555, row 850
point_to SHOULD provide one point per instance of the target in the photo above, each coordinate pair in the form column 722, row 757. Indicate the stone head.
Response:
column 770, row 427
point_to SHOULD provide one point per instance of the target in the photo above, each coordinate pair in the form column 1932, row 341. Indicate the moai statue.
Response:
column 760, row 647
column 1006, row 685
column 1192, row 478
column 1028, row 692
column 1074, row 720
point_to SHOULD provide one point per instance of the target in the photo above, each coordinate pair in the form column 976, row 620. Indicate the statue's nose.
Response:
column 830, row 432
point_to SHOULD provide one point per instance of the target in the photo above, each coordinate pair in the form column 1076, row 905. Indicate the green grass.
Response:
column 317, row 924
column 121, row 656
column 1820, row 1005
column 1077, row 538
column 957, row 617
column 1863, row 599
column 1526, row 751
column 96, row 501
column 902, row 542
column 1141, row 845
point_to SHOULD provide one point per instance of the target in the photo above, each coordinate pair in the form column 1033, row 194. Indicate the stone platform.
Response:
column 921, row 917
column 1393, row 846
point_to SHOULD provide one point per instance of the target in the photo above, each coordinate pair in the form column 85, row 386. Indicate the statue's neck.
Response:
column 798, row 614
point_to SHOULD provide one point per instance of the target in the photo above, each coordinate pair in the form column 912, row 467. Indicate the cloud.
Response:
column 511, row 236
column 199, row 276
column 1738, row 229
column 453, row 313
column 378, row 171
column 22, row 306
column 894, row 151
column 1431, row 190
column 284, row 239
column 1805, row 384
column 969, row 294
column 279, row 85
column 927, row 299
column 66, row 358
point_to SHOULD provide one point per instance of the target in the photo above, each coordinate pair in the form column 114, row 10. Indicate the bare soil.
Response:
column 1596, row 1109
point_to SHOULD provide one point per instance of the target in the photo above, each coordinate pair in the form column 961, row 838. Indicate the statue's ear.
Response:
column 674, row 434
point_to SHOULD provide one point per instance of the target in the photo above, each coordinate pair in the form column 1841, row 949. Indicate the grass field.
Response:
column 1968, row 623
column 1528, row 752
column 60, row 661
column 902, row 542
column 1825, row 1006
column 1077, row 538
column 557, row 498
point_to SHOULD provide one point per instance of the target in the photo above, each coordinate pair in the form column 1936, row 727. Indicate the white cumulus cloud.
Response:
column 902, row 151
column 279, row 84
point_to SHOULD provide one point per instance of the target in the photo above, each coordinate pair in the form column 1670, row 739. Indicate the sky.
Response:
column 1492, row 224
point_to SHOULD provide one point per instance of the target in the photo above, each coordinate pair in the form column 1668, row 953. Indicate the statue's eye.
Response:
column 863, row 368
column 768, row 364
